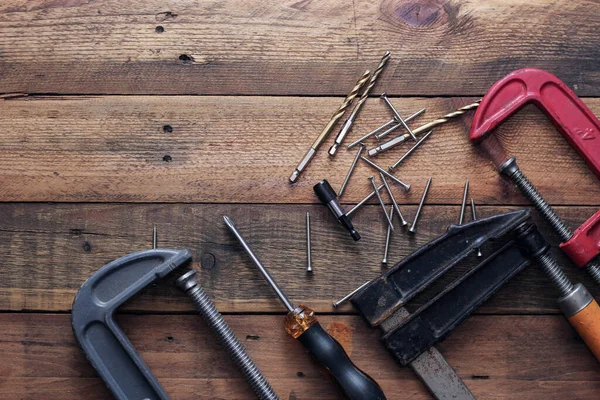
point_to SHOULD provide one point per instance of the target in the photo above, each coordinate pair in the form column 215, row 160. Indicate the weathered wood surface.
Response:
column 51, row 249
column 291, row 47
column 243, row 149
column 499, row 357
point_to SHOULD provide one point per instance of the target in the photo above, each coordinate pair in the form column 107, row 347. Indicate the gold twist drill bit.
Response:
column 329, row 127
column 348, row 124
column 423, row 128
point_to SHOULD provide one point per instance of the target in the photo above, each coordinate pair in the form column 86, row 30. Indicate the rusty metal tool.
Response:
column 329, row 127
column 423, row 128
column 365, row 94
column 302, row 324
column 410, row 338
column 573, row 119
column 393, row 122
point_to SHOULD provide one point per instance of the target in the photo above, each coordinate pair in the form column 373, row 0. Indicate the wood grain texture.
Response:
column 51, row 249
column 497, row 356
column 243, row 149
column 439, row 47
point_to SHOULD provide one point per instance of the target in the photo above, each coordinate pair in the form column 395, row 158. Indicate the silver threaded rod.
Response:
column 189, row 285
column 511, row 169
column 555, row 273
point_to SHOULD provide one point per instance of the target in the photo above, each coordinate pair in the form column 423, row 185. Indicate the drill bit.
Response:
column 365, row 94
column 423, row 128
column 330, row 125
column 463, row 205
column 382, row 127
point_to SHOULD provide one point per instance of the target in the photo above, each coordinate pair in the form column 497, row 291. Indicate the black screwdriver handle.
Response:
column 356, row 384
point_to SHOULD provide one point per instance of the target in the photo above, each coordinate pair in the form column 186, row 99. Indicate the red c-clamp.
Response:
column 570, row 116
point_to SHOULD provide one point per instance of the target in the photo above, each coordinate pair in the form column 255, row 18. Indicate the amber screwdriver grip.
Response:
column 302, row 324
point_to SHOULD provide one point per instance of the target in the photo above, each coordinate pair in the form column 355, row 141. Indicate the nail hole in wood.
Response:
column 184, row 58
column 87, row 247
column 159, row 29
column 167, row 129
column 167, row 158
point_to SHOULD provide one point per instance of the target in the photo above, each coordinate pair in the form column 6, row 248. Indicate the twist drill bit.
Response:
column 365, row 94
column 423, row 128
column 329, row 127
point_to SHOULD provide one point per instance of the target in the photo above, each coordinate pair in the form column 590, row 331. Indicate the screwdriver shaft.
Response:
column 349, row 295
column 259, row 264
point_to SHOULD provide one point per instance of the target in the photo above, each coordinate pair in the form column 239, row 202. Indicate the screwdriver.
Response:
column 301, row 324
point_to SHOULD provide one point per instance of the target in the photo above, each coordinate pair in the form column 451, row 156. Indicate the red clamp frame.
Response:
column 570, row 116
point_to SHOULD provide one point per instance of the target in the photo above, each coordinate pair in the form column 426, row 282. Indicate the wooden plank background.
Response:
column 120, row 115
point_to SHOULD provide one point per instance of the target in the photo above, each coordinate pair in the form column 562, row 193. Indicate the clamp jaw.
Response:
column 573, row 119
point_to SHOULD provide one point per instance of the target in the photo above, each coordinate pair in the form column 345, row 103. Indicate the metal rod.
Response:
column 350, row 295
column 397, row 115
column 463, row 205
column 330, row 125
column 257, row 262
column 362, row 202
column 365, row 94
column 474, row 216
column 395, row 165
column 423, row 128
column 351, row 170
column 406, row 186
column 389, row 220
column 413, row 227
column 154, row 237
column 394, row 202
column 399, row 124
column 308, row 258
column 388, row 236
column 373, row 132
